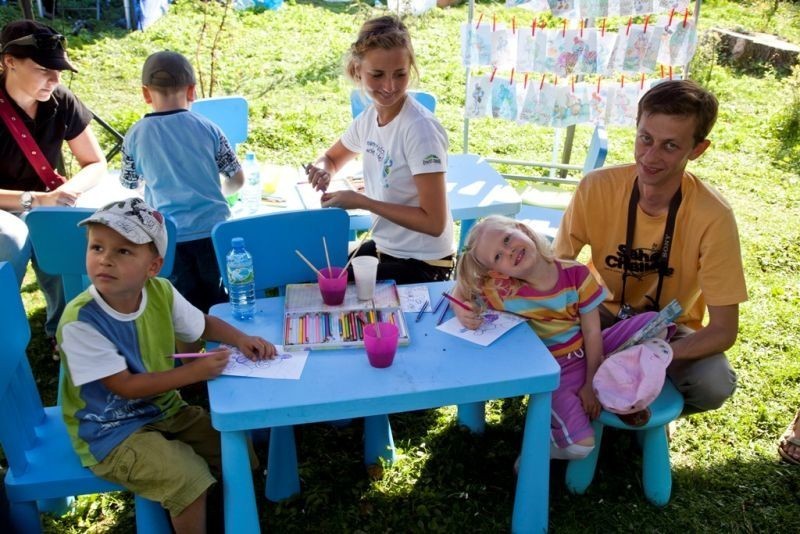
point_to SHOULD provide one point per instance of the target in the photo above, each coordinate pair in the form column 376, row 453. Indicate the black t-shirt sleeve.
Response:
column 75, row 114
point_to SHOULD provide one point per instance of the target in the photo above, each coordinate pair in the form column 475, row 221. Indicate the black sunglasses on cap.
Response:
column 42, row 41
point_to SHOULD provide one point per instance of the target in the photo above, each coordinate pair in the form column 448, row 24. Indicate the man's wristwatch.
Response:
column 26, row 200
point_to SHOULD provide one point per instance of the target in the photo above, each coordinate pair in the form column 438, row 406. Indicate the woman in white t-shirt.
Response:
column 404, row 151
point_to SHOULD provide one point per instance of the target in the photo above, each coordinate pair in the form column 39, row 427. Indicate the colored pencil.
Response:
column 438, row 304
column 444, row 312
column 182, row 355
column 454, row 300
column 421, row 311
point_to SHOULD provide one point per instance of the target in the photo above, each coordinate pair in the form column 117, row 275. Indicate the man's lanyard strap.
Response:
column 27, row 144
column 666, row 243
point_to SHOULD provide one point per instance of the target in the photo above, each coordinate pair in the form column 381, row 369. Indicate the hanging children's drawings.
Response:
column 563, row 8
column 285, row 365
column 494, row 325
column 533, row 5
column 593, row 10
column 476, row 44
column 529, row 101
column 478, row 97
column 504, row 48
column 504, row 99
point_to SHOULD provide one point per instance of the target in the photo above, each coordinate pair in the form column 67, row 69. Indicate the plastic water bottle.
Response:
column 251, row 193
column 241, row 280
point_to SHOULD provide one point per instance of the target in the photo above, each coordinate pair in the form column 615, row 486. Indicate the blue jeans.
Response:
column 15, row 248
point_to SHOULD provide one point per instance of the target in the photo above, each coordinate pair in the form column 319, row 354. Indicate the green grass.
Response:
column 726, row 473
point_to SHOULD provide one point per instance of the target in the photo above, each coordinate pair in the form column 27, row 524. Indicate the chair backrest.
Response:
column 272, row 239
column 20, row 405
column 359, row 101
column 60, row 245
column 598, row 150
column 227, row 112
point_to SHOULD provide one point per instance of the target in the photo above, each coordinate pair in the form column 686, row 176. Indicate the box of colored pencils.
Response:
column 309, row 323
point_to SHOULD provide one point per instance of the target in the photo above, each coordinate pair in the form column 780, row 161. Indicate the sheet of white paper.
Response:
column 286, row 365
column 494, row 325
column 412, row 298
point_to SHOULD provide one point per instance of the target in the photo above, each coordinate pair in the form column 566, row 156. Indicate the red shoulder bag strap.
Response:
column 27, row 144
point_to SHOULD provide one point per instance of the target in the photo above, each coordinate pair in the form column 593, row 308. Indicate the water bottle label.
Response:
column 240, row 275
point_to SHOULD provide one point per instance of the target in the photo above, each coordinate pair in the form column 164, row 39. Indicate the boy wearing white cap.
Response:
column 180, row 155
column 120, row 402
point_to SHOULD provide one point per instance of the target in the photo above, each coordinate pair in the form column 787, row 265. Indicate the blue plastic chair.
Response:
column 359, row 101
column 545, row 219
column 60, row 245
column 41, row 462
column 656, row 473
column 227, row 112
column 272, row 239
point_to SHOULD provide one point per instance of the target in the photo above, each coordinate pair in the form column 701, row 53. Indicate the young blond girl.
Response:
column 507, row 266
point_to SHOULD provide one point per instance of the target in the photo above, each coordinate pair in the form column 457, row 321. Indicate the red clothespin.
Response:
column 572, row 85
column 511, row 80
column 646, row 20
column 670, row 72
column 641, row 83
column 581, row 27
column 494, row 21
column 533, row 27
column 662, row 70
column 525, row 82
column 555, row 80
column 603, row 29
column 514, row 25
column 542, row 84
column 598, row 83
column 480, row 18
column 671, row 14
column 564, row 30
column 628, row 29
column 491, row 78
column 622, row 81
column 685, row 16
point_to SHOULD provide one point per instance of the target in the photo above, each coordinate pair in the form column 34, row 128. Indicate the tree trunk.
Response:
column 748, row 50
column 27, row 9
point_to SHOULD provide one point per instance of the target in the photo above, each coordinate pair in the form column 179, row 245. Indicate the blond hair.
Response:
column 471, row 274
column 387, row 32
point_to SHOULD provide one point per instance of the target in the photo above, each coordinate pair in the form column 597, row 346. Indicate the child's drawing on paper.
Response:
column 530, row 99
column 569, row 47
column 504, row 100
column 563, row 8
column 543, row 114
column 605, row 50
column 476, row 44
column 635, row 48
column 641, row 7
column 683, row 43
column 504, row 49
column 526, row 52
column 594, row 10
column 285, row 365
column 587, row 60
column 494, row 325
column 478, row 97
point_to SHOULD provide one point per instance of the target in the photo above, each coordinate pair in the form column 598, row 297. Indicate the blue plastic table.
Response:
column 435, row 369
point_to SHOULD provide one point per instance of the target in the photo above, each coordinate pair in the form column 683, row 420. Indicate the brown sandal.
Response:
column 791, row 437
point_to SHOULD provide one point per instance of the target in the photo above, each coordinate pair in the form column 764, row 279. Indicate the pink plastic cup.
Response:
column 380, row 350
column 332, row 286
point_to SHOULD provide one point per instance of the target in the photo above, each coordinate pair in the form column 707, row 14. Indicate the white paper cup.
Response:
column 365, row 270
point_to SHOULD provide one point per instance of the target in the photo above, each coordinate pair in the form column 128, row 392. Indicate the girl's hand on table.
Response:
column 343, row 199
column 468, row 318
column 257, row 348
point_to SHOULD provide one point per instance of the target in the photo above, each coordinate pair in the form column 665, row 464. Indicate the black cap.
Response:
column 37, row 42
column 167, row 69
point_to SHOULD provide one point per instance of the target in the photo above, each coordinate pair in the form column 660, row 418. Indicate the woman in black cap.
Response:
column 38, row 115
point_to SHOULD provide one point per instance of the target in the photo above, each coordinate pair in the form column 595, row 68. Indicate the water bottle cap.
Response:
column 237, row 242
